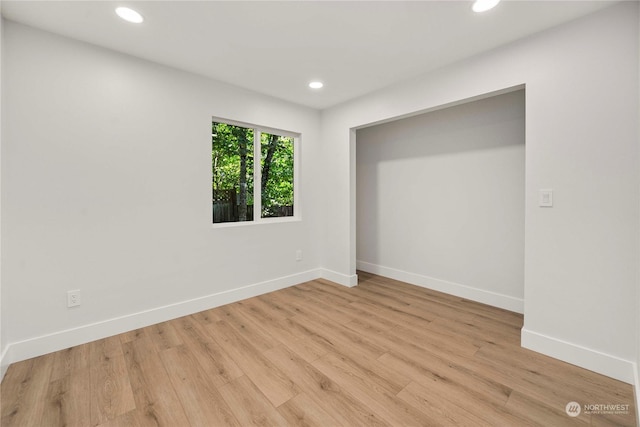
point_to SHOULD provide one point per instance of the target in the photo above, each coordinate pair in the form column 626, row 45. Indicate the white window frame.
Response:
column 257, row 175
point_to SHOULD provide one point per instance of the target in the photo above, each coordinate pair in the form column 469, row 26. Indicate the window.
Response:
column 253, row 172
column 276, row 182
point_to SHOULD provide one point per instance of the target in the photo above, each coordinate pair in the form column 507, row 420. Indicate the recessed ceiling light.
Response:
column 316, row 85
column 484, row 5
column 129, row 15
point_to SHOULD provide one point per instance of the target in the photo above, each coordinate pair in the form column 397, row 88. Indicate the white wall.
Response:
column 2, row 323
column 581, row 140
column 637, row 360
column 440, row 199
column 106, row 188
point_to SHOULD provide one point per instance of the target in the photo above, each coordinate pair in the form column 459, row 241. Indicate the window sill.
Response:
column 261, row 221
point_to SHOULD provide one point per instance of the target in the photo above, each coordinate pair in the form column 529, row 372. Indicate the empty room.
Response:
column 416, row 213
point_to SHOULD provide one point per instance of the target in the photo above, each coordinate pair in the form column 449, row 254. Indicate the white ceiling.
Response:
column 277, row 47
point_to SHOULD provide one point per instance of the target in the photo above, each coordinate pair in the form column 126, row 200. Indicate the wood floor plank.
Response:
column 278, row 299
column 404, row 290
column 203, row 403
column 213, row 358
column 341, row 305
column 135, row 418
column 313, row 307
column 366, row 328
column 154, row 395
column 259, row 338
column 376, row 371
column 476, row 330
column 333, row 335
column 67, row 361
column 433, row 370
column 434, row 341
column 276, row 304
column 15, row 390
column 422, row 302
column 249, row 405
column 111, row 393
column 342, row 406
column 301, row 411
column 441, row 411
column 67, row 404
column 260, row 310
column 24, row 392
column 276, row 386
column 374, row 394
column 386, row 317
column 273, row 307
column 131, row 335
column 492, row 412
column 411, row 309
column 208, row 317
column 307, row 349
column 318, row 290
column 272, row 327
column 278, row 329
column 163, row 335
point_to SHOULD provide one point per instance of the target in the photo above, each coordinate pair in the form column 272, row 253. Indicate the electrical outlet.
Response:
column 73, row 298
column 299, row 255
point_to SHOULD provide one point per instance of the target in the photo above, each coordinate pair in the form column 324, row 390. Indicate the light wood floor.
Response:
column 383, row 353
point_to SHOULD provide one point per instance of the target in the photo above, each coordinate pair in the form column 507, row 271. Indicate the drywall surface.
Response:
column 581, row 141
column 441, row 196
column 637, row 360
column 106, row 188
column 3, row 366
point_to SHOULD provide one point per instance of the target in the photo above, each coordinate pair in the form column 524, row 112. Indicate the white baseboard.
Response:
column 486, row 297
column 339, row 278
column 37, row 346
column 587, row 358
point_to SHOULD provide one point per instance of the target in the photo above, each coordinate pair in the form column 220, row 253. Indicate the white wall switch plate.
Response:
column 545, row 198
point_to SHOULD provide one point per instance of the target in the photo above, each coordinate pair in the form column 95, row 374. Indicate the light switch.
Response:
column 545, row 198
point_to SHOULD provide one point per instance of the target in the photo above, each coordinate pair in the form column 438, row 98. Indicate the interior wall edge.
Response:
column 4, row 364
column 636, row 390
column 460, row 290
column 636, row 378
column 452, row 103
column 593, row 360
